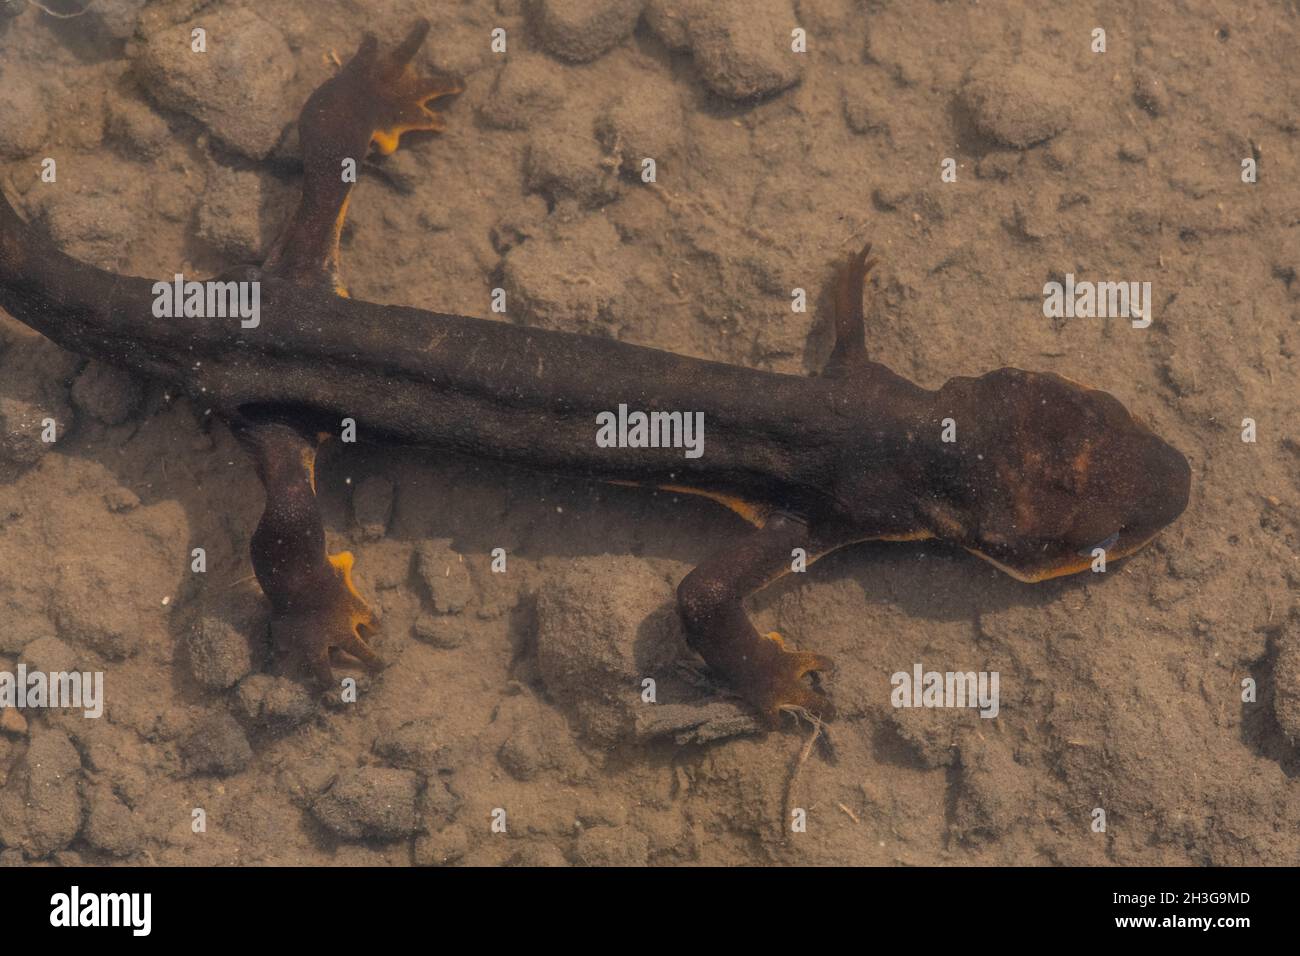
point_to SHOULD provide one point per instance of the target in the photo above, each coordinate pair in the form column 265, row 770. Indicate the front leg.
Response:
column 314, row 605
column 373, row 100
column 757, row 667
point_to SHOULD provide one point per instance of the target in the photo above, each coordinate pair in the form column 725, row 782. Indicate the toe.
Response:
column 354, row 645
column 808, row 700
column 320, row 666
column 404, row 52
column 806, row 662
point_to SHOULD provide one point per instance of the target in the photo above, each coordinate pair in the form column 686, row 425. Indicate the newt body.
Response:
column 1042, row 470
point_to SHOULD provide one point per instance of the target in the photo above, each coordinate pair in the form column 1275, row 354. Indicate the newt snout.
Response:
column 1044, row 471
column 1169, row 481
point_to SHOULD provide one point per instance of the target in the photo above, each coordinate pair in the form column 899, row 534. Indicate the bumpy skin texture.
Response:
column 1042, row 472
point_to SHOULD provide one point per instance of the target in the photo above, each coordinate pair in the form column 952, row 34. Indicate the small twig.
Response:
column 804, row 753
column 61, row 16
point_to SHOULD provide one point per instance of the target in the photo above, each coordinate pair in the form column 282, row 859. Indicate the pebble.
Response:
column 646, row 124
column 536, row 854
column 114, row 18
column 237, row 89
column 667, row 19
column 521, row 220
column 33, row 372
column 523, row 755
column 217, row 745
column 743, row 50
column 121, row 500
column 137, row 130
column 525, row 88
column 442, row 630
column 1018, row 106
column 582, row 30
column 999, row 164
column 865, row 108
column 110, row 825
column 442, row 848
column 414, row 746
column 572, row 280
column 274, row 703
column 1132, row 151
column 97, row 217
column 370, row 803
column 40, row 806
column 604, row 624
column 446, row 575
column 566, row 162
column 229, row 216
column 1286, row 687
column 888, row 198
column 1035, row 216
column 106, row 393
column 930, row 734
column 695, row 723
column 219, row 643
column 49, row 654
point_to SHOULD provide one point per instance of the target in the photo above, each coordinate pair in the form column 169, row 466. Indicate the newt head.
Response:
column 1043, row 471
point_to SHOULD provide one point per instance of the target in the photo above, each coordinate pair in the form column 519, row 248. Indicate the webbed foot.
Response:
column 377, row 95
column 373, row 100
column 315, row 607
column 336, row 620
column 759, row 668
column 774, row 680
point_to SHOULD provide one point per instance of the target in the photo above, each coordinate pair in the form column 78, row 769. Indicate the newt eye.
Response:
column 1104, row 545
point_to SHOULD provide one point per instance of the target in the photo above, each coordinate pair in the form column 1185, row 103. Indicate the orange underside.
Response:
column 753, row 513
column 757, row 515
column 1071, row 567
column 387, row 140
column 358, row 611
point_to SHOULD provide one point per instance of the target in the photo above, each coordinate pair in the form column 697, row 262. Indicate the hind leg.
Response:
column 373, row 100
column 759, row 668
column 315, row 608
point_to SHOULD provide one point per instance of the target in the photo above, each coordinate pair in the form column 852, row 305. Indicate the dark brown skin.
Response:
column 1043, row 470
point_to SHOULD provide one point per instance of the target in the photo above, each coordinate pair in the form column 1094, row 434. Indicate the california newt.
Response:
column 1041, row 470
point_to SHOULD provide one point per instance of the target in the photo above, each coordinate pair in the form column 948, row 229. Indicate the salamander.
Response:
column 1027, row 470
